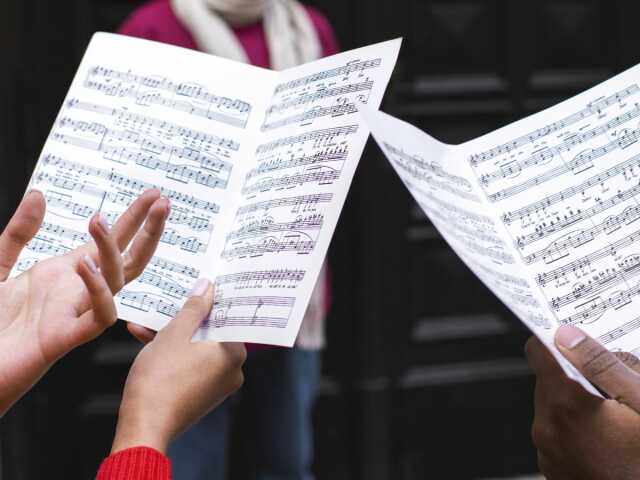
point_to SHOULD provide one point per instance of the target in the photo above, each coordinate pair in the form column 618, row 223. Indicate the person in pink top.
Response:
column 280, row 383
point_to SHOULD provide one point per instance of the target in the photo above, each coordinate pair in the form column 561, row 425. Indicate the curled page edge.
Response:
column 370, row 118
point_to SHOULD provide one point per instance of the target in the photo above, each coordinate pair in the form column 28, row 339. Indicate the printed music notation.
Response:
column 543, row 156
column 447, row 195
column 192, row 98
column 302, row 203
column 331, row 94
column 136, row 121
column 66, row 167
column 627, row 168
column 148, row 302
column 261, row 277
column 562, row 189
column 269, row 227
column 587, row 266
column 342, row 71
column 253, row 207
column 620, row 332
column 299, row 243
column 267, row 311
column 430, row 173
column 593, row 108
column 292, row 162
column 124, row 146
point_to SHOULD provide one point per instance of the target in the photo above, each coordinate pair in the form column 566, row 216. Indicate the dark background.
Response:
column 424, row 376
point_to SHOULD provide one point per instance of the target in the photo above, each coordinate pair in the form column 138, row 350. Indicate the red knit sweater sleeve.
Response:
column 139, row 463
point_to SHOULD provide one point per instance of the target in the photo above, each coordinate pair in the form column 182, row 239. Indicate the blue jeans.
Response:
column 279, row 389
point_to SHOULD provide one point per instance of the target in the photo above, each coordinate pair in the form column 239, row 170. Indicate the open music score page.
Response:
column 543, row 211
column 257, row 165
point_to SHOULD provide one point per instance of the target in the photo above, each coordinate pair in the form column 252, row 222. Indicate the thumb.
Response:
column 194, row 311
column 22, row 227
column 600, row 366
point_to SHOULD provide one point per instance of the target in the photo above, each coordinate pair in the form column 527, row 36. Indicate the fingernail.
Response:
column 104, row 224
column 200, row 288
column 570, row 337
column 90, row 263
column 167, row 205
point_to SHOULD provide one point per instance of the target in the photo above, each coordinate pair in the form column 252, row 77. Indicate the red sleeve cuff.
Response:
column 139, row 463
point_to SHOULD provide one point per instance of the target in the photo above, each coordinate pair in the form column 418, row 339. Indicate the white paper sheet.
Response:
column 543, row 211
column 257, row 165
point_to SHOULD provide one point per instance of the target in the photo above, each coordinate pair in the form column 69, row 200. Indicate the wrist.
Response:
column 137, row 431
column 20, row 369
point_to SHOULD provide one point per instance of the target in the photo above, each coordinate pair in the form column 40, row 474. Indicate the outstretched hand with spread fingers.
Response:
column 66, row 301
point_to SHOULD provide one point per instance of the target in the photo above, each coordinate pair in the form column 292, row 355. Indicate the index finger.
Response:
column 127, row 224
column 540, row 359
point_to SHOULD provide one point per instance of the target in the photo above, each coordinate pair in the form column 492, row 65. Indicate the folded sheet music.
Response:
column 257, row 165
column 544, row 211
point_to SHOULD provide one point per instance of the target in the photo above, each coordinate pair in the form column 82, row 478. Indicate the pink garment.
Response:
column 156, row 21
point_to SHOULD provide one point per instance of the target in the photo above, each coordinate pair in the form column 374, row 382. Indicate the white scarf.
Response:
column 291, row 36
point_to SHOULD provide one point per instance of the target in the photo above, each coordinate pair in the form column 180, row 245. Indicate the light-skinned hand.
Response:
column 174, row 382
column 66, row 301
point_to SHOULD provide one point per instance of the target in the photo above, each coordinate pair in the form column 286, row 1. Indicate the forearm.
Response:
column 134, row 430
column 19, row 372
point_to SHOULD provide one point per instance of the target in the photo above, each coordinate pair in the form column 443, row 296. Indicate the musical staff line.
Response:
column 543, row 278
column 312, row 114
column 259, row 276
column 545, row 230
column 268, row 227
column 594, row 309
column 167, row 128
column 307, row 98
column 516, row 167
column 591, row 109
column 431, row 167
column 569, row 192
column 318, row 136
column 351, row 67
column 303, row 161
column 619, row 332
column 322, row 177
column 302, row 201
column 130, row 182
column 576, row 166
column 629, row 269
column 233, row 112
column 269, row 245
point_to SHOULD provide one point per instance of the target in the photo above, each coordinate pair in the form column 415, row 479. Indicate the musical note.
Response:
column 193, row 98
column 304, row 201
column 571, row 191
column 343, row 71
column 262, row 276
column 128, row 182
column 244, row 311
column 591, row 109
